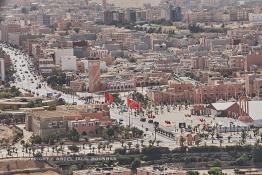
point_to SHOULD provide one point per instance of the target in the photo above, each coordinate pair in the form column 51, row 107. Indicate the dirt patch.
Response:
column 6, row 166
column 6, row 133
column 41, row 173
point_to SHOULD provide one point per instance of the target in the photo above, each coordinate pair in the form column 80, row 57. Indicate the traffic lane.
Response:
column 135, row 121
column 27, row 83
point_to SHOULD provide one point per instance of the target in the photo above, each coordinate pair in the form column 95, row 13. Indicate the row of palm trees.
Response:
column 137, row 145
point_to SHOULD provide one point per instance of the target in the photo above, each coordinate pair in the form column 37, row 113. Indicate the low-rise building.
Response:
column 46, row 123
column 104, row 171
column 77, row 85
column 159, row 170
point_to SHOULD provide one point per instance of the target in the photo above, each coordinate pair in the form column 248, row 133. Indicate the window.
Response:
column 54, row 123
column 61, row 123
column 50, row 125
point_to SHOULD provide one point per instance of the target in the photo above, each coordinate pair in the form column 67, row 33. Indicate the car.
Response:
column 120, row 120
column 188, row 129
column 74, row 103
column 150, row 121
column 156, row 123
column 143, row 119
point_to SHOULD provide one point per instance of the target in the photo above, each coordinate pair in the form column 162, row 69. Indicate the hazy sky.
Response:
column 130, row 3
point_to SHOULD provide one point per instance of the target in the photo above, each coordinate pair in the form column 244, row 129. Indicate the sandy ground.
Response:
column 41, row 173
column 7, row 165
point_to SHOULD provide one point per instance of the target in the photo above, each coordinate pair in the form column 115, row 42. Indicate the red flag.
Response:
column 133, row 104
column 109, row 97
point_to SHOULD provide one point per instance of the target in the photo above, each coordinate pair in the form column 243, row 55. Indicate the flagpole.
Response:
column 129, row 118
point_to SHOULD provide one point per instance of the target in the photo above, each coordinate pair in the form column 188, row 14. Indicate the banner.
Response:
column 109, row 97
column 133, row 104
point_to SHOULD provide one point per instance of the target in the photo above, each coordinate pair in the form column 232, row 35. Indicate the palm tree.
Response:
column 22, row 142
column 8, row 151
column 57, row 151
column 142, row 142
column 212, row 136
column 197, row 142
column 122, row 142
column 98, row 147
column 61, row 145
column 156, row 125
column 33, row 150
column 42, row 149
column 104, row 147
column 137, row 146
column 243, row 137
column 150, row 143
column 26, row 147
column 110, row 147
column 228, row 139
column 129, row 145
column 220, row 142
column 182, row 141
column 157, row 142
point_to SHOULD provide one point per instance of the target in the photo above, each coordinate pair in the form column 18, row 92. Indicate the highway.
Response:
column 26, row 77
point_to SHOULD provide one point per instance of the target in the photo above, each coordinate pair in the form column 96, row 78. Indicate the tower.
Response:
column 94, row 75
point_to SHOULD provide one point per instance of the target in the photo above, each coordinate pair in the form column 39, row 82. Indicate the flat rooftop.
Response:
column 50, row 114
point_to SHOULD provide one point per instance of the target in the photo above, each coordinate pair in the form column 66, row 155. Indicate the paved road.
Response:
column 27, row 79
column 135, row 121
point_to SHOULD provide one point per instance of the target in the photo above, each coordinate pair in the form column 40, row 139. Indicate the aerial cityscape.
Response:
column 130, row 87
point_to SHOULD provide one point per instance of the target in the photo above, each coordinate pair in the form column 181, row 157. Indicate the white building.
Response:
column 255, row 112
column 255, row 17
column 68, row 63
column 62, row 53
column 103, row 66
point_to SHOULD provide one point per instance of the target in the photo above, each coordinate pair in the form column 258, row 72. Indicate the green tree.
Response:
column 35, row 139
column 192, row 173
column 77, row 30
column 72, row 169
column 257, row 153
column 60, row 101
column 73, row 135
column 215, row 171
column 135, row 164
column 73, row 148
column 242, row 159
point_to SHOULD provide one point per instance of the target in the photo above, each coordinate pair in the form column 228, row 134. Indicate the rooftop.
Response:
column 51, row 114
